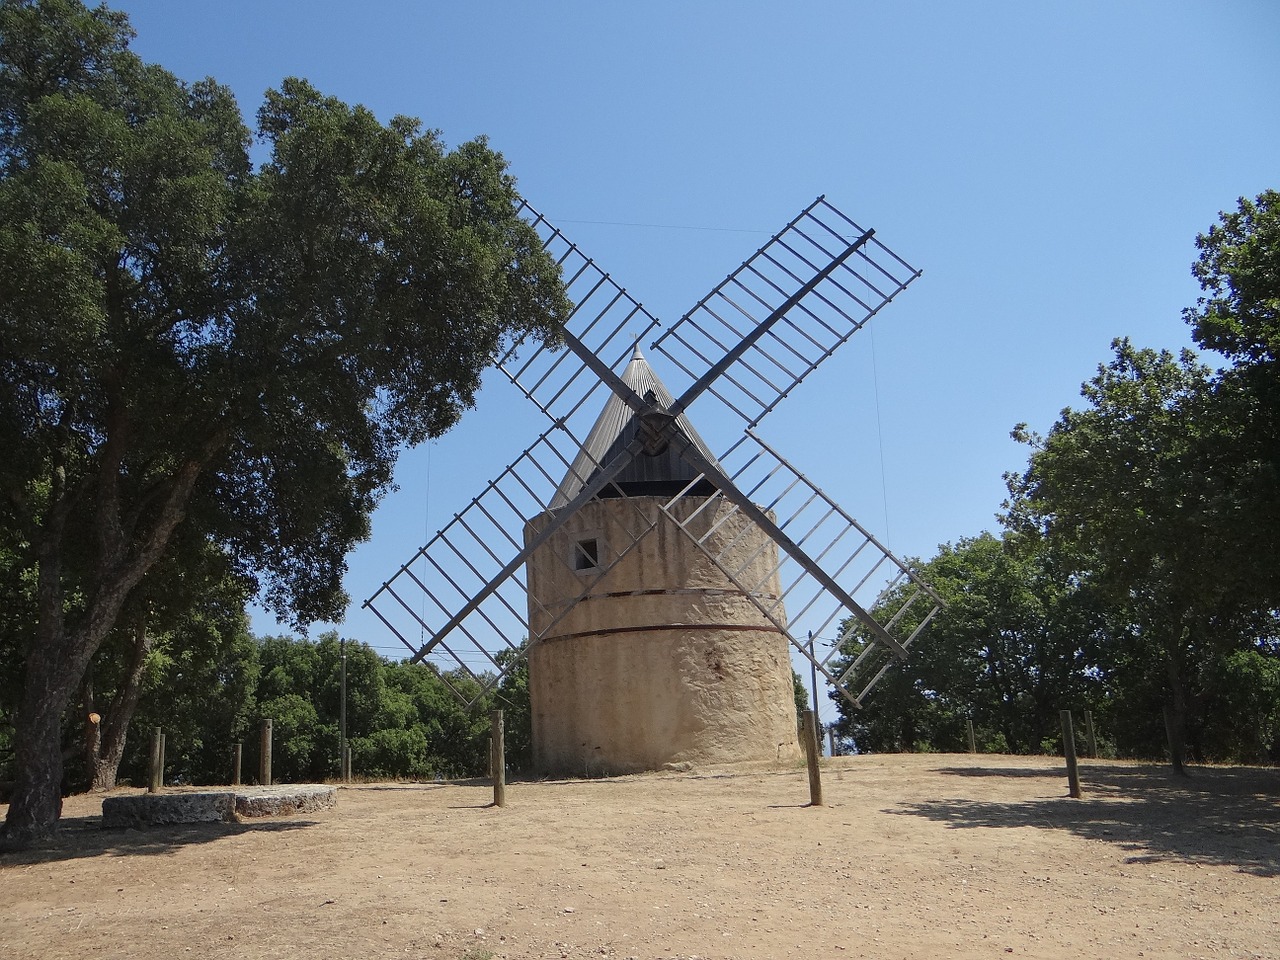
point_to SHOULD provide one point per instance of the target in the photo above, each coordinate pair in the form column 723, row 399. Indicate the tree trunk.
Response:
column 1175, row 716
column 55, row 669
column 106, row 763
column 61, row 653
column 36, row 803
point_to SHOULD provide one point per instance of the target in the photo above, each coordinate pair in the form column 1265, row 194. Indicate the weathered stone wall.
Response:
column 663, row 660
column 211, row 806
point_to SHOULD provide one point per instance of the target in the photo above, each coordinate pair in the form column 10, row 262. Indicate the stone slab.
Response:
column 161, row 808
column 216, row 806
column 278, row 801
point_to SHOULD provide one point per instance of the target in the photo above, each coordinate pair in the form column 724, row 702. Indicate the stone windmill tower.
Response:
column 664, row 659
column 660, row 588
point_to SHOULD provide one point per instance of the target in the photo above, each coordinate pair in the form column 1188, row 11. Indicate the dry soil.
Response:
column 911, row 857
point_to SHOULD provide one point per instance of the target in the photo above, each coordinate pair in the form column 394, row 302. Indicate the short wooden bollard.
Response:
column 264, row 757
column 973, row 741
column 157, row 767
column 1069, row 751
column 498, row 758
column 810, row 738
column 1090, row 741
column 236, row 753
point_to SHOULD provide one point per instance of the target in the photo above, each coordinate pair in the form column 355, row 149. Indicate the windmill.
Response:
column 533, row 556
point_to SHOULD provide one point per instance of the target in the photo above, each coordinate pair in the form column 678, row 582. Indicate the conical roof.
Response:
column 662, row 474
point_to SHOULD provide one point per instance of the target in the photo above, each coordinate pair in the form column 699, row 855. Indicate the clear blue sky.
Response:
column 1048, row 165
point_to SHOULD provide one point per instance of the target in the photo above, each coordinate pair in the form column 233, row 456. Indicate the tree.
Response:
column 1239, row 266
column 1239, row 269
column 181, row 622
column 1012, row 646
column 188, row 341
column 203, row 693
column 456, row 738
column 1141, row 491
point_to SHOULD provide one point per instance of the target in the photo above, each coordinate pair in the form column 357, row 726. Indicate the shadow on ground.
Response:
column 1221, row 816
column 81, row 837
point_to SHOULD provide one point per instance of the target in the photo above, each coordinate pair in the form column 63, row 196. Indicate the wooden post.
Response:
column 973, row 741
column 1069, row 751
column 1090, row 741
column 236, row 752
column 264, row 756
column 810, row 738
column 498, row 759
column 344, row 768
column 155, row 781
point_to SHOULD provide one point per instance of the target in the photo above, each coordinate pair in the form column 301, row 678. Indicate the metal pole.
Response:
column 342, row 715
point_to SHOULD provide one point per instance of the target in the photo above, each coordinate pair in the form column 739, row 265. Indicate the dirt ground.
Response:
column 911, row 857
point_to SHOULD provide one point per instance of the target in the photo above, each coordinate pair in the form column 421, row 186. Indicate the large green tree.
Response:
column 1239, row 317
column 1142, row 490
column 188, row 340
column 1015, row 643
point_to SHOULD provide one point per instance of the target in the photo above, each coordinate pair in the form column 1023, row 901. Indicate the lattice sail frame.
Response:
column 748, row 343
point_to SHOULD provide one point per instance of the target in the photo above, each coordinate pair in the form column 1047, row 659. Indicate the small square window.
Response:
column 586, row 554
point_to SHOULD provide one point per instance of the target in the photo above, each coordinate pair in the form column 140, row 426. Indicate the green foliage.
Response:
column 393, row 753
column 517, row 713
column 201, row 689
column 1242, row 715
column 1008, row 650
column 800, row 693
column 1239, row 267
column 1164, row 496
column 403, row 721
column 296, row 734
column 193, row 347
column 1141, row 496
column 1137, row 574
